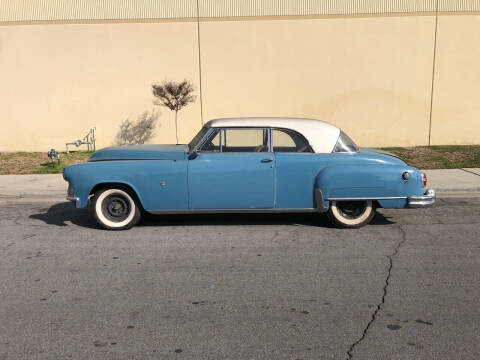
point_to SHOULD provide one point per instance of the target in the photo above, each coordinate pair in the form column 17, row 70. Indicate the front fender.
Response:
column 369, row 181
column 82, row 178
column 158, row 184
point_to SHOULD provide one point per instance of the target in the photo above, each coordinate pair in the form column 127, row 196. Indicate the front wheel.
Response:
column 351, row 214
column 115, row 209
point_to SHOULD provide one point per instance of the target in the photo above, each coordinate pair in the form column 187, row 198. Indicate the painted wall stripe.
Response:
column 51, row 10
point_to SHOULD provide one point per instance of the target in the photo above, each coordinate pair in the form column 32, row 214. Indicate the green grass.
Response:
column 48, row 169
column 65, row 159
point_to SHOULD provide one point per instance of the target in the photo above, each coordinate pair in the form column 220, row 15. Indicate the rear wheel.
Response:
column 351, row 214
column 115, row 209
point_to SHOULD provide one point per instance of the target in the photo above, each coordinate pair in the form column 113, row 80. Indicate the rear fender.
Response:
column 369, row 181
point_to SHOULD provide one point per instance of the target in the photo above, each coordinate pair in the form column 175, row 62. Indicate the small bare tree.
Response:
column 138, row 131
column 174, row 96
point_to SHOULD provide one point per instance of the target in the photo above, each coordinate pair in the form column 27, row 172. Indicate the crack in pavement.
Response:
column 470, row 172
column 384, row 295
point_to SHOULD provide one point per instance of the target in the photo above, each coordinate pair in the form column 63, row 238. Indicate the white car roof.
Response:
column 321, row 135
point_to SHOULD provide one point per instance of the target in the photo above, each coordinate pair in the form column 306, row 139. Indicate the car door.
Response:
column 233, row 169
column 296, row 169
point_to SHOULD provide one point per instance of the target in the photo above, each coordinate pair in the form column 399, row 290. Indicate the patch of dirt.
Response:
column 422, row 157
column 439, row 157
column 36, row 162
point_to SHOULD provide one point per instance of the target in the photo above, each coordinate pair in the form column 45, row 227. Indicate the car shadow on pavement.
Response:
column 60, row 214
column 305, row 219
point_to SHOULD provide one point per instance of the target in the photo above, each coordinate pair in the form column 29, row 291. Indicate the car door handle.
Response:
column 266, row 160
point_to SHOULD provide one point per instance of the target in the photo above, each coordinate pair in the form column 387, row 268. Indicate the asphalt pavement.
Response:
column 239, row 286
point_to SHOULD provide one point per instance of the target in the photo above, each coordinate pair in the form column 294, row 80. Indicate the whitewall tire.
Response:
column 351, row 214
column 115, row 209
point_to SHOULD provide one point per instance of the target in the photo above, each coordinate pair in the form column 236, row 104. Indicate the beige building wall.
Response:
column 368, row 74
column 59, row 80
column 456, row 95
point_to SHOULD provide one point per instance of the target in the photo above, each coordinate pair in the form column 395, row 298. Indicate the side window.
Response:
column 244, row 140
column 345, row 144
column 237, row 140
column 289, row 141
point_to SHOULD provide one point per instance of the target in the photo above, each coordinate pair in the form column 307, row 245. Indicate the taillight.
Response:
column 424, row 179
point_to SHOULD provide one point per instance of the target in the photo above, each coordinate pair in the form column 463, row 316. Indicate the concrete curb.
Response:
column 36, row 188
column 454, row 182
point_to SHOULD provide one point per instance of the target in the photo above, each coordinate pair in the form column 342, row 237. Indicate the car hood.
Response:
column 141, row 152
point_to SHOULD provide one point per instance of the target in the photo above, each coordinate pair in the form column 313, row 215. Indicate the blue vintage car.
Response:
column 247, row 165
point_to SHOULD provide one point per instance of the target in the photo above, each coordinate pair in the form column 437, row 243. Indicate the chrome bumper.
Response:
column 71, row 196
column 74, row 199
column 426, row 200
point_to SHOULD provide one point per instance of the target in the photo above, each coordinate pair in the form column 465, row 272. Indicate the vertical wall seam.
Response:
column 433, row 74
column 199, row 64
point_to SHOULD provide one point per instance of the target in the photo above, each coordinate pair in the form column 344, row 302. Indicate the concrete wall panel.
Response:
column 370, row 76
column 57, row 81
column 456, row 95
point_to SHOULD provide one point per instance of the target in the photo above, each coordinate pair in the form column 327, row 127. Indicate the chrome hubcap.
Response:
column 116, row 207
column 352, row 209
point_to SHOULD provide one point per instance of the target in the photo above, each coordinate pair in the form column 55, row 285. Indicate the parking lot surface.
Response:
column 240, row 286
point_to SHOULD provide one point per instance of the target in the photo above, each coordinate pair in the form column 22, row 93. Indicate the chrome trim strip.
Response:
column 270, row 139
column 233, row 211
column 368, row 198
column 425, row 200
column 76, row 199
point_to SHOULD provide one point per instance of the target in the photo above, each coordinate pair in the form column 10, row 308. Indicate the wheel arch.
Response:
column 119, row 185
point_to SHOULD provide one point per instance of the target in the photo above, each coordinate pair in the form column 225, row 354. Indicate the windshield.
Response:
column 197, row 138
column 345, row 144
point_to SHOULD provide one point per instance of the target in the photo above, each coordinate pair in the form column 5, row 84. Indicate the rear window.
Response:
column 345, row 144
column 289, row 141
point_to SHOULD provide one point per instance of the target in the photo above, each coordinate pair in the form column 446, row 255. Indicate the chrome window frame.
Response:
column 202, row 140
column 211, row 132
column 214, row 129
